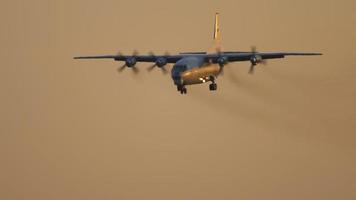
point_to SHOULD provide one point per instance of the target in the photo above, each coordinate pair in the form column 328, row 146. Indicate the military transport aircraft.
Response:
column 197, row 67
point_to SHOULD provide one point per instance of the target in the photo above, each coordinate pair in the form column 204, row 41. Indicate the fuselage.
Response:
column 193, row 70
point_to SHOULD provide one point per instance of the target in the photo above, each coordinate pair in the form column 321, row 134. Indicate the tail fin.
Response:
column 217, row 35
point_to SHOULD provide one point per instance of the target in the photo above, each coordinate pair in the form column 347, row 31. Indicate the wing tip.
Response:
column 304, row 54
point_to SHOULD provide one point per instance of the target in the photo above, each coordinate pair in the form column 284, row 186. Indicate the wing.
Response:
column 247, row 56
column 229, row 56
column 138, row 58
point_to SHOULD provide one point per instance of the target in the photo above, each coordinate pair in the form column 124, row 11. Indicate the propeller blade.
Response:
column 253, row 49
column 135, row 70
column 252, row 69
column 164, row 70
column 151, row 67
column 151, row 54
column 167, row 53
column 135, row 53
column 221, row 71
column 122, row 68
column 218, row 50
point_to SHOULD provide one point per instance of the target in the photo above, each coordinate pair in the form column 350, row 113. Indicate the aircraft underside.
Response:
column 199, row 75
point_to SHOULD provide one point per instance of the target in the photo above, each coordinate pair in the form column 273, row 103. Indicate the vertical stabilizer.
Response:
column 217, row 35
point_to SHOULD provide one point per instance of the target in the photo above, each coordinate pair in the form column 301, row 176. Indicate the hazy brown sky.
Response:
column 79, row 130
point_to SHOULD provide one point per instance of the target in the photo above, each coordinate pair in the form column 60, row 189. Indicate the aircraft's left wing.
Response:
column 265, row 56
column 253, row 56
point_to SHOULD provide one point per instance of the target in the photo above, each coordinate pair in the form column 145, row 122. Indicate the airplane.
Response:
column 197, row 67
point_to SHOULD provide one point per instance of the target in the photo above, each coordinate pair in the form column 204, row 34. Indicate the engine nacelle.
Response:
column 131, row 62
column 255, row 59
column 161, row 62
column 222, row 61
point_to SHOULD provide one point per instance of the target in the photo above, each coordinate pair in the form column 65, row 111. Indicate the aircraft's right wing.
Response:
column 159, row 61
column 136, row 58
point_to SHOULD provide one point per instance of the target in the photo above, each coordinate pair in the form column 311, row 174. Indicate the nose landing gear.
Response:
column 213, row 86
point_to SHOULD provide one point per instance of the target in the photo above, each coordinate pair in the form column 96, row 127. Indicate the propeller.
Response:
column 255, row 59
column 222, row 61
column 160, row 62
column 130, row 62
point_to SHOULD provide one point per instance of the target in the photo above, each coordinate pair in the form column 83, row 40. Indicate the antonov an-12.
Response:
column 197, row 67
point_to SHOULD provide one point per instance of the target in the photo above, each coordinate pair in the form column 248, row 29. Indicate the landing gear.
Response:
column 182, row 89
column 213, row 86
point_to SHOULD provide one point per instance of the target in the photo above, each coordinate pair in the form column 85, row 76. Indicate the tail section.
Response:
column 217, row 35
column 217, row 27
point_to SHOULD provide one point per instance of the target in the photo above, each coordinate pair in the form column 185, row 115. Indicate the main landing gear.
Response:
column 182, row 89
column 213, row 86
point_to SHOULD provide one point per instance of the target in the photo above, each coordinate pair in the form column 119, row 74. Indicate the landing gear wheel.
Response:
column 182, row 89
column 213, row 87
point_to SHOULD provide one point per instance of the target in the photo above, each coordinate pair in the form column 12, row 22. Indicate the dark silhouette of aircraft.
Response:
column 197, row 67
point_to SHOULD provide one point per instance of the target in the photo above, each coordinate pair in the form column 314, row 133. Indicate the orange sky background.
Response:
column 79, row 130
